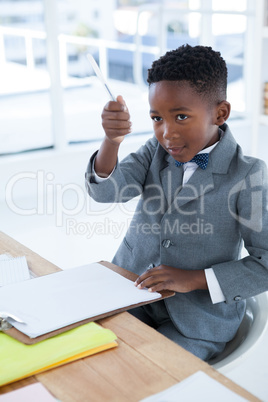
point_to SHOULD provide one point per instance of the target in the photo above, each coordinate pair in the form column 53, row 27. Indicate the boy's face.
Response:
column 183, row 121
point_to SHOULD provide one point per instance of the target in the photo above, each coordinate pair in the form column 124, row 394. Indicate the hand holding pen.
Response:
column 115, row 115
column 116, row 120
column 116, row 124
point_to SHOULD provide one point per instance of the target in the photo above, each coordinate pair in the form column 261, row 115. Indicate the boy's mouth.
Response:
column 175, row 150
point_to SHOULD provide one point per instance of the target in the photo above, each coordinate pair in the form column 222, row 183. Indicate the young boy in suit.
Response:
column 201, row 198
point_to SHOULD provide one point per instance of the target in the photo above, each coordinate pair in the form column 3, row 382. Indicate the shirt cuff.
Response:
column 97, row 178
column 214, row 287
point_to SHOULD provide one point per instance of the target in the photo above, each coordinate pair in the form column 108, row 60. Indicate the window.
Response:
column 49, row 95
column 25, row 109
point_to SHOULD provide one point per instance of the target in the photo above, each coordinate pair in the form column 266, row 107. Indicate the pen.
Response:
column 99, row 74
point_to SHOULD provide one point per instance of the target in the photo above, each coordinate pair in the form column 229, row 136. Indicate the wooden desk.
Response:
column 145, row 362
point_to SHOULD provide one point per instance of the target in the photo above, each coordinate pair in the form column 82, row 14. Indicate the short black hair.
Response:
column 202, row 67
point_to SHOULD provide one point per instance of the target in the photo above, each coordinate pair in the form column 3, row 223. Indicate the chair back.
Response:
column 250, row 332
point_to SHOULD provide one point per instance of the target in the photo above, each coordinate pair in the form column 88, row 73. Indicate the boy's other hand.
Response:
column 171, row 278
column 116, row 120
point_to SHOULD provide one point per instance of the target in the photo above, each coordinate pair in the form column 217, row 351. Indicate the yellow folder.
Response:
column 18, row 360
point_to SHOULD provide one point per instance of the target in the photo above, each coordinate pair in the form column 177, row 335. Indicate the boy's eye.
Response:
column 156, row 118
column 182, row 117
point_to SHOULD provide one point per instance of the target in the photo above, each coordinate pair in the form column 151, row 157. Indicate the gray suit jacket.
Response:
column 199, row 226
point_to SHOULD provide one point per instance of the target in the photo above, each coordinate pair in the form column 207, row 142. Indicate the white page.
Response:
column 4, row 257
column 13, row 270
column 30, row 393
column 53, row 301
column 198, row 387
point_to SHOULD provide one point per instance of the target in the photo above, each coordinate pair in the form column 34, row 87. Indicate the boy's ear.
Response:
column 223, row 112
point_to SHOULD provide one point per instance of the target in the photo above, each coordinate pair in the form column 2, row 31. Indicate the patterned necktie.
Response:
column 200, row 159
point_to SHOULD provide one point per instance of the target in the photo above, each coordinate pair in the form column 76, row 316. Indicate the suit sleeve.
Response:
column 127, row 179
column 248, row 276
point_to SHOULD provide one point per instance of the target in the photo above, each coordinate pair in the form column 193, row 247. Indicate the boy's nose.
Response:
column 170, row 132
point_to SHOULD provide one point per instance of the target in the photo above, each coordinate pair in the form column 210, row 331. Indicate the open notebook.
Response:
column 55, row 301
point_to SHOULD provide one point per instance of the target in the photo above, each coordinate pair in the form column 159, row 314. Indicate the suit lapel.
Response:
column 202, row 181
column 171, row 179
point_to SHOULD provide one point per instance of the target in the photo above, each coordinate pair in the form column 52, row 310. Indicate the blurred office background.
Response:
column 51, row 101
